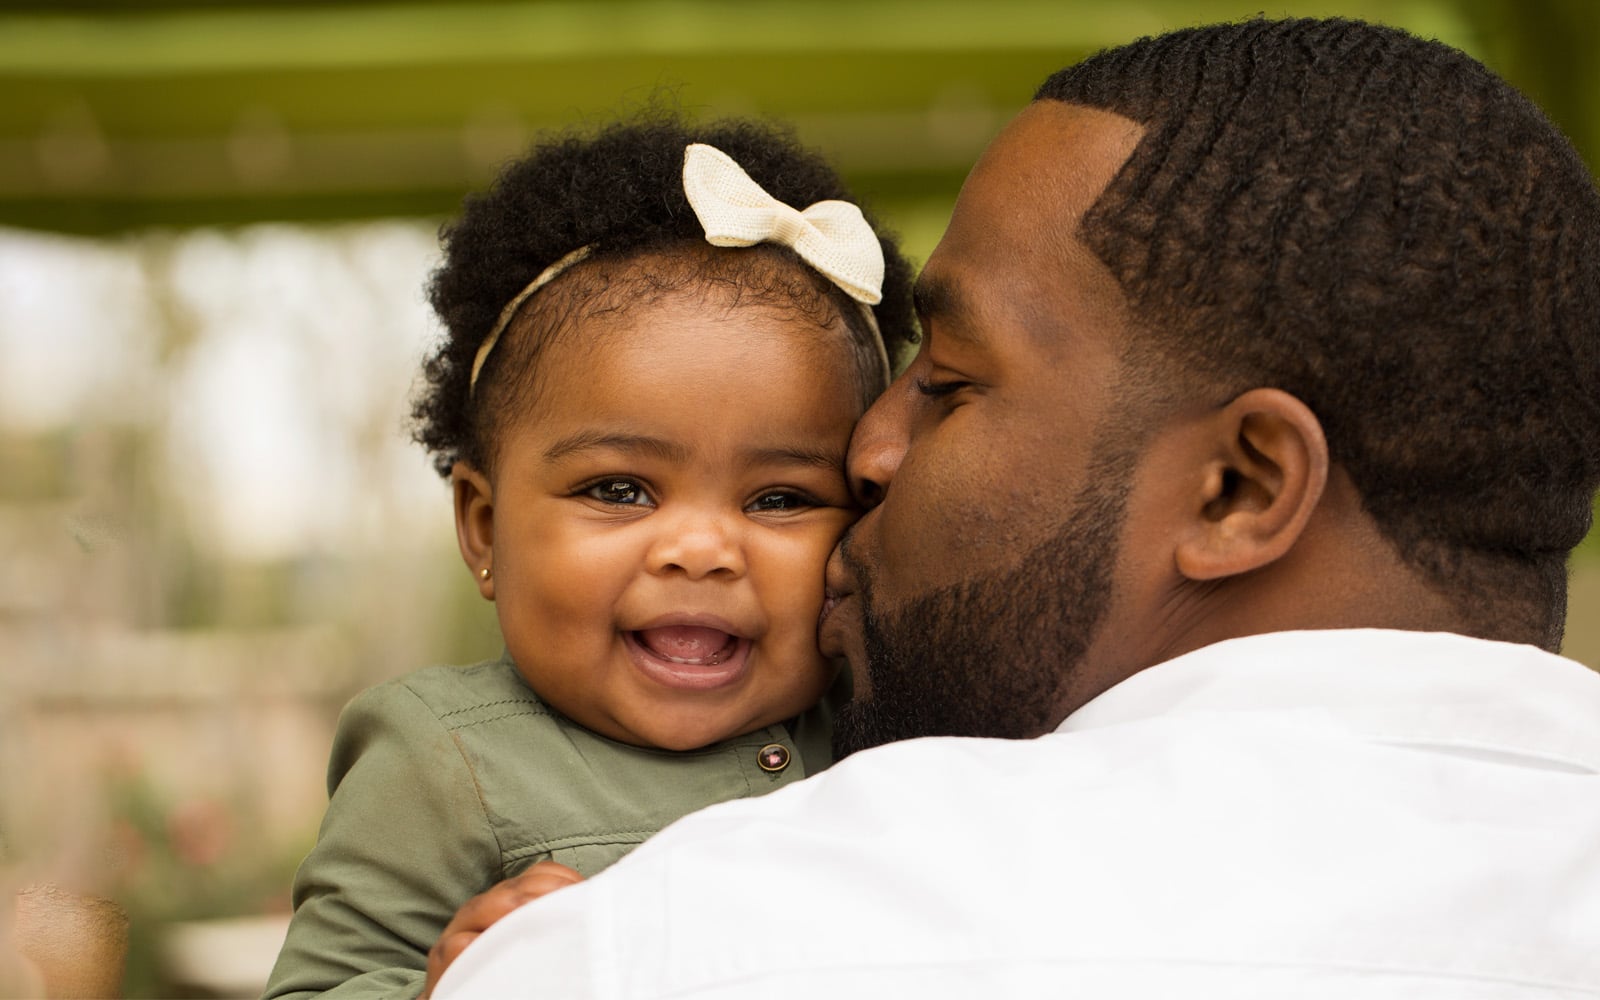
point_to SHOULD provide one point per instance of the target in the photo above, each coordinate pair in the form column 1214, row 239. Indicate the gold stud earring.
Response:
column 483, row 574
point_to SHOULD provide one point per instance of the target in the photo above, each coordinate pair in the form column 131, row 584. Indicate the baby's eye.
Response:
column 780, row 500
column 619, row 491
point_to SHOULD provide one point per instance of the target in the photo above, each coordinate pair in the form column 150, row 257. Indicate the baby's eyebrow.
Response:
column 672, row 451
column 669, row 451
column 821, row 458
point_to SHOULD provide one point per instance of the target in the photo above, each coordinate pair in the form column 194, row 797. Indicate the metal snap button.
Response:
column 773, row 757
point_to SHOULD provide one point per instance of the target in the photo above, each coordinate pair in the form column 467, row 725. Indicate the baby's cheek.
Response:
column 804, row 559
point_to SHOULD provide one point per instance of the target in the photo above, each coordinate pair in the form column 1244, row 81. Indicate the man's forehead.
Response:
column 1048, row 166
column 1015, row 222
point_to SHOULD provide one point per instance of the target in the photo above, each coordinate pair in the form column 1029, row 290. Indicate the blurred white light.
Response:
column 74, row 319
column 273, row 363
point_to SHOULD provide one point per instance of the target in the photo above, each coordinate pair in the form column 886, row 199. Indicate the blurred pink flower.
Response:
column 201, row 831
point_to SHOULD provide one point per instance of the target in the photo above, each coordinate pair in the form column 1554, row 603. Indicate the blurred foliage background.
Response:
column 216, row 219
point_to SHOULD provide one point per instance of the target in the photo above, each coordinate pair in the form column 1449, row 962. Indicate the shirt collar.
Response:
column 1432, row 688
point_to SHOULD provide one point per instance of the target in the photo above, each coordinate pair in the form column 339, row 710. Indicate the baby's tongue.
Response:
column 685, row 643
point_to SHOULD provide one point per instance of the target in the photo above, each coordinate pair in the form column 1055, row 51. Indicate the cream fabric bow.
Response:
column 735, row 211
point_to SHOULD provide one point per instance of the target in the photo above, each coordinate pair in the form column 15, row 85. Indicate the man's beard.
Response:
column 994, row 655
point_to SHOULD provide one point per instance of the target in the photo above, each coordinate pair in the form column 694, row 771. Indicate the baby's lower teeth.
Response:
column 713, row 660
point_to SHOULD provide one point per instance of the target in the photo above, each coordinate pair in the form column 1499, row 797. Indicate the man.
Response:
column 1257, row 410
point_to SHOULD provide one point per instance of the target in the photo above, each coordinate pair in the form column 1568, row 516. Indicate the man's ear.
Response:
column 1265, row 477
column 474, row 499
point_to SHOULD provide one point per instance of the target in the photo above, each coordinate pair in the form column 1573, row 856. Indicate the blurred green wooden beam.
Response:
column 313, row 134
column 220, row 112
column 255, row 36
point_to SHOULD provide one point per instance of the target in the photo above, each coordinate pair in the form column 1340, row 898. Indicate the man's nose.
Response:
column 879, row 443
column 698, row 544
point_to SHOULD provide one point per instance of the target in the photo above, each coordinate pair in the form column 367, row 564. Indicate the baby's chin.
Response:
column 695, row 727
column 697, row 734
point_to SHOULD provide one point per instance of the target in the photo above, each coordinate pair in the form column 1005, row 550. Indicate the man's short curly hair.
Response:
column 1382, row 227
column 619, row 190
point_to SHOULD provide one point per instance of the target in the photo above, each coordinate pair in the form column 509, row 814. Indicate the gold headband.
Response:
column 546, row 276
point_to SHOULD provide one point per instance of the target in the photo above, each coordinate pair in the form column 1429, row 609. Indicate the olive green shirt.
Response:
column 448, row 780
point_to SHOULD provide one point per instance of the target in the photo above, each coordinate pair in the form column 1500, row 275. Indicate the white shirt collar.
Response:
column 1453, row 692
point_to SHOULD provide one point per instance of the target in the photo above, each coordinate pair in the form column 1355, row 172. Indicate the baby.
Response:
column 660, row 337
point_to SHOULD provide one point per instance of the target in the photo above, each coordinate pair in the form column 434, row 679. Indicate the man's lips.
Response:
column 829, row 602
column 830, row 628
column 839, row 587
column 837, row 580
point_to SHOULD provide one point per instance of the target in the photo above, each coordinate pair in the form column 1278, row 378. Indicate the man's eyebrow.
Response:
column 669, row 451
column 930, row 295
column 935, row 297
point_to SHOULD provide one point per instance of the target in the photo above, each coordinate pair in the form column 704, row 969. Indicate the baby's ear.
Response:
column 474, row 499
column 1264, row 478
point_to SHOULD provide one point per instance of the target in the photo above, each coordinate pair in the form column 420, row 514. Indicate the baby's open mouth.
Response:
column 688, row 644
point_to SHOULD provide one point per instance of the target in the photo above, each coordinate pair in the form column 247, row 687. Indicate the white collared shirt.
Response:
column 1347, row 814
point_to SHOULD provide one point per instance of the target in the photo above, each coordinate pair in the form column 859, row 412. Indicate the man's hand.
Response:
column 481, row 911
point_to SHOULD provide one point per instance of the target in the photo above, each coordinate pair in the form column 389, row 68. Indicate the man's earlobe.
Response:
column 474, row 502
column 1260, row 487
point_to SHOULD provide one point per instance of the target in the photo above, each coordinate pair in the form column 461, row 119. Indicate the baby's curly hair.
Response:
column 1384, row 228
column 619, row 190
